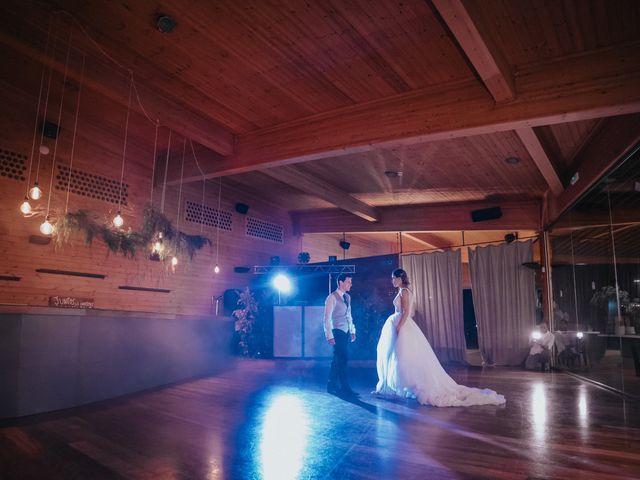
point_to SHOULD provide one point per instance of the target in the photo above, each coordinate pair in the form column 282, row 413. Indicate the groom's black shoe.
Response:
column 333, row 389
column 347, row 392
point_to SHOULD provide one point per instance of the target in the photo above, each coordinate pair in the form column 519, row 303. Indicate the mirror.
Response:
column 595, row 271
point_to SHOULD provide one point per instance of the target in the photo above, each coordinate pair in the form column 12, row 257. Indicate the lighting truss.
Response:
column 259, row 269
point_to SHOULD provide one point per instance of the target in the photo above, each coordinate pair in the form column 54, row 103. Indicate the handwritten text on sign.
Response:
column 71, row 302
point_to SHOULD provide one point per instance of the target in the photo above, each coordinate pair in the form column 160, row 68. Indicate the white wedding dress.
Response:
column 408, row 367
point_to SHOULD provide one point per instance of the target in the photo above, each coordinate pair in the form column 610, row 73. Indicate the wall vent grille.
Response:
column 265, row 230
column 12, row 165
column 205, row 215
column 91, row 185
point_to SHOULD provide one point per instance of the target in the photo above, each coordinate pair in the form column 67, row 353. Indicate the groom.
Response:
column 338, row 327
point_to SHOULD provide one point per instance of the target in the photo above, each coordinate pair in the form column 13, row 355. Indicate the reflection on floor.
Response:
column 612, row 370
column 272, row 419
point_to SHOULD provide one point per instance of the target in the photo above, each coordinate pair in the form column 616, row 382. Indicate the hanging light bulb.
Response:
column 157, row 245
column 35, row 193
column 46, row 228
column 174, row 261
column 118, row 221
column 44, row 150
column 216, row 269
column 25, row 207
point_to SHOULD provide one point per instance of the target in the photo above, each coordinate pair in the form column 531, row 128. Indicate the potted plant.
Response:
column 605, row 301
column 245, row 319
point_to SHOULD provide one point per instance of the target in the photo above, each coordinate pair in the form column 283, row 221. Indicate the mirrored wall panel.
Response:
column 595, row 265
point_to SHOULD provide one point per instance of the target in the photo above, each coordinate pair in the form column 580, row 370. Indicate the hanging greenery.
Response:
column 154, row 225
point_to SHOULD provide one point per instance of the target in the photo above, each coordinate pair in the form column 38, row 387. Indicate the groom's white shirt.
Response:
column 337, row 314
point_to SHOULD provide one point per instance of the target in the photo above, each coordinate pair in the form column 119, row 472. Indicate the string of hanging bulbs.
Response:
column 34, row 192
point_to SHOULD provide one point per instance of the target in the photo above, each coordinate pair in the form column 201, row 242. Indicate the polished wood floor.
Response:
column 272, row 419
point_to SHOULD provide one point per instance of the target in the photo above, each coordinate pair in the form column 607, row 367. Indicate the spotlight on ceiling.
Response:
column 165, row 23
column 344, row 245
column 511, row 237
column 512, row 160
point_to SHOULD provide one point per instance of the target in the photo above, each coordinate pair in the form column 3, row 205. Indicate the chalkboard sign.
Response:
column 71, row 302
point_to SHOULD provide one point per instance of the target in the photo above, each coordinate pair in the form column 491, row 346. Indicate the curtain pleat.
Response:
column 504, row 301
column 437, row 285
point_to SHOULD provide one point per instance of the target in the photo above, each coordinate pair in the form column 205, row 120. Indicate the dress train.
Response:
column 408, row 367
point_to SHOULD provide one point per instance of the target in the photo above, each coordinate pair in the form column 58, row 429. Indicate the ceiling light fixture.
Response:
column 512, row 160
column 393, row 173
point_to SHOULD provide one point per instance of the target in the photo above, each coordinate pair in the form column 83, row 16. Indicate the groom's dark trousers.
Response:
column 338, row 374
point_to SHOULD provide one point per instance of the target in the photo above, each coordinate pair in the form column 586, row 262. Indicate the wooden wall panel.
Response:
column 321, row 246
column 193, row 286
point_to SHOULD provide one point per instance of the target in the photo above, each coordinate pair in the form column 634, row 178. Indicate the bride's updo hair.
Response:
column 402, row 275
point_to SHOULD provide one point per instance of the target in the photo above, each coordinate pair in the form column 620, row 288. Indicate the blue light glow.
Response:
column 283, row 443
column 282, row 283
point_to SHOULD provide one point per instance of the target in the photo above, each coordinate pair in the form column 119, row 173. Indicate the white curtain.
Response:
column 504, row 301
column 437, row 285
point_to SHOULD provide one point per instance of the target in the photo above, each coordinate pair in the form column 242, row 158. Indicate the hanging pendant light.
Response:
column 157, row 245
column 25, row 207
column 216, row 269
column 46, row 228
column 36, row 192
column 118, row 221
column 174, row 259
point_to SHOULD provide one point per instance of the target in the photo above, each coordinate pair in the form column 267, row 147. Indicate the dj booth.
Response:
column 298, row 332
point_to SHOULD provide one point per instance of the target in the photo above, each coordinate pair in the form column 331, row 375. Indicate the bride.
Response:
column 407, row 365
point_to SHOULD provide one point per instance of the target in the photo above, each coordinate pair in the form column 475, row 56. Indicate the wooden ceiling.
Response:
column 309, row 103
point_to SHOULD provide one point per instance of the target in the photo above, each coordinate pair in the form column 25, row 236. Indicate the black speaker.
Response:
column 344, row 245
column 242, row 208
column 230, row 301
column 50, row 129
column 485, row 214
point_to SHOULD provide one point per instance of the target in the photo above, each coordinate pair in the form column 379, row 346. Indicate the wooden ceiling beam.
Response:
column 429, row 218
column 496, row 75
column 615, row 138
column 578, row 87
column 431, row 239
column 114, row 85
column 472, row 37
column 314, row 186
column 415, row 238
column 582, row 221
column 540, row 157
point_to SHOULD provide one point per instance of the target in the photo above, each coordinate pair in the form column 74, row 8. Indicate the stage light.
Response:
column 282, row 283
column 216, row 269
column 579, row 334
column 536, row 335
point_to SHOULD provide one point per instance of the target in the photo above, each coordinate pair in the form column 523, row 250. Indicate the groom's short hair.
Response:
column 342, row 277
